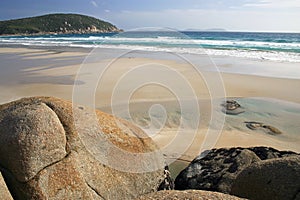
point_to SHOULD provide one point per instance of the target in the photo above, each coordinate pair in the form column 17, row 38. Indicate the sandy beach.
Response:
column 52, row 72
column 150, row 100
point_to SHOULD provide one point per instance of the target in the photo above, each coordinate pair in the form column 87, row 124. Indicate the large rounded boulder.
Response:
column 187, row 194
column 44, row 154
column 218, row 170
column 276, row 179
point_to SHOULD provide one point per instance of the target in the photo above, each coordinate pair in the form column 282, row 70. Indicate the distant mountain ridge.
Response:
column 56, row 24
column 206, row 30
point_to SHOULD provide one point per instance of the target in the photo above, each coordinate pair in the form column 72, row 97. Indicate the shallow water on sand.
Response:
column 283, row 115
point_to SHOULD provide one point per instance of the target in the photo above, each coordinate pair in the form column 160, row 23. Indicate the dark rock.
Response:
column 168, row 182
column 274, row 179
column 42, row 155
column 187, row 194
column 218, row 170
column 232, row 107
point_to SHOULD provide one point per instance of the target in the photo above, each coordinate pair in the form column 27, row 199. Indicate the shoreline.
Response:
column 222, row 63
column 59, row 33
column 24, row 62
column 38, row 68
column 53, row 48
column 51, row 72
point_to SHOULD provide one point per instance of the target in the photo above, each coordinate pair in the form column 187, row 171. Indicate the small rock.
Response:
column 232, row 107
column 271, row 129
column 253, row 125
column 263, row 127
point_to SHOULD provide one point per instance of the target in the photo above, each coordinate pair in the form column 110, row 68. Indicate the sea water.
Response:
column 281, row 50
column 282, row 47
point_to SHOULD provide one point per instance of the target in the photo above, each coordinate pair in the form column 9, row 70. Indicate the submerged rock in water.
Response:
column 253, row 125
column 260, row 126
column 232, row 107
column 271, row 129
column 271, row 179
column 218, row 170
column 42, row 155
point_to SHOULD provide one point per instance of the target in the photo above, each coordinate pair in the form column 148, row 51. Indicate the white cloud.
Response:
column 107, row 11
column 94, row 4
column 126, row 11
column 274, row 4
column 232, row 19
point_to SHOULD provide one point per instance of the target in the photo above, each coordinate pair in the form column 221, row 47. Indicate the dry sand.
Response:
column 32, row 72
column 27, row 72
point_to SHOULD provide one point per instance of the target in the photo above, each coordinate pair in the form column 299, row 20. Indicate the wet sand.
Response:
column 52, row 72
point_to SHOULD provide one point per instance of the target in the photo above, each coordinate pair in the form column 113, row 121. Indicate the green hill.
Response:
column 56, row 23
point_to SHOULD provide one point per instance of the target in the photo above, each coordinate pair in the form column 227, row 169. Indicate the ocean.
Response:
column 281, row 47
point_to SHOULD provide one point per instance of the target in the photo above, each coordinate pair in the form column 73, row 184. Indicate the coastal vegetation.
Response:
column 56, row 24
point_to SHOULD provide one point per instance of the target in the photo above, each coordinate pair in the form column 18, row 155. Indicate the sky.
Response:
column 233, row 15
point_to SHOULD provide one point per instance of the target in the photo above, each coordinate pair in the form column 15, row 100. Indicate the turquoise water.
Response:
column 281, row 114
column 265, row 46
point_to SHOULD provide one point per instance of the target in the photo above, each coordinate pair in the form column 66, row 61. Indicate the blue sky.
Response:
column 238, row 15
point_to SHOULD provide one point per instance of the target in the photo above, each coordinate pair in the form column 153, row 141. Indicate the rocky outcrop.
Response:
column 187, row 194
column 43, row 156
column 218, row 170
column 274, row 179
column 58, row 23
column 4, row 193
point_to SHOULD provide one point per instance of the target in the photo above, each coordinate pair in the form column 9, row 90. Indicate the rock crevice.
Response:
column 95, row 190
column 45, row 158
